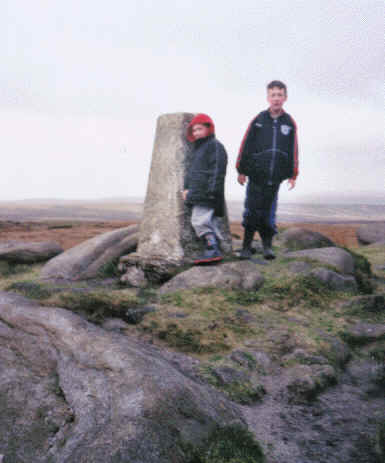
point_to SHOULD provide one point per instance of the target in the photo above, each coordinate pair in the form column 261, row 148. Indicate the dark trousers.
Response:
column 260, row 208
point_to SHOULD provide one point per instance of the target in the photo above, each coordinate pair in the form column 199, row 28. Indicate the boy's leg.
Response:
column 269, row 229
column 202, row 220
column 251, row 218
column 273, row 214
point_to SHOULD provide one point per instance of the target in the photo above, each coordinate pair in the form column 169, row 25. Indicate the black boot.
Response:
column 267, row 249
column 211, row 252
column 247, row 252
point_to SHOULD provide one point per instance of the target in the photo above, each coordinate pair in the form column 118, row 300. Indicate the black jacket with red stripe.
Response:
column 269, row 149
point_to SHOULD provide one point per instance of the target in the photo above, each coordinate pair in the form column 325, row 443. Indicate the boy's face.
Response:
column 276, row 97
column 200, row 131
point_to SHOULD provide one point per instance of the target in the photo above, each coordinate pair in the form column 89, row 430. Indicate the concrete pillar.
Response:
column 165, row 234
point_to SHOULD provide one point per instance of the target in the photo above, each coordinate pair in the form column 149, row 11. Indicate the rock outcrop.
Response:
column 295, row 239
column 371, row 233
column 336, row 257
column 71, row 391
column 233, row 275
column 334, row 280
column 86, row 260
column 23, row 252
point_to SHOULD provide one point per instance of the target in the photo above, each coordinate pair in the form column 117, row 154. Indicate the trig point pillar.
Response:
column 165, row 233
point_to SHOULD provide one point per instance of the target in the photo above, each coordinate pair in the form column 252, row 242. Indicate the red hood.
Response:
column 200, row 119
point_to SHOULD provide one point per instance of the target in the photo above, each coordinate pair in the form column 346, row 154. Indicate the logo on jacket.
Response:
column 285, row 129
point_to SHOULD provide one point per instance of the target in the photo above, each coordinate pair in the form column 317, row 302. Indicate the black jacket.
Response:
column 269, row 150
column 205, row 177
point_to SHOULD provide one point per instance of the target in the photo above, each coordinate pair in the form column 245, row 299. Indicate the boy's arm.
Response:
column 246, row 148
column 294, row 155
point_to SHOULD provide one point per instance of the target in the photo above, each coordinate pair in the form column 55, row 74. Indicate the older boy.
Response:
column 204, row 185
column 267, row 156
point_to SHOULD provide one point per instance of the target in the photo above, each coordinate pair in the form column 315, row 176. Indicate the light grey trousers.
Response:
column 204, row 221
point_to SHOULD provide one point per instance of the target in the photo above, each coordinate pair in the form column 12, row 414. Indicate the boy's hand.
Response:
column 184, row 194
column 291, row 183
column 242, row 179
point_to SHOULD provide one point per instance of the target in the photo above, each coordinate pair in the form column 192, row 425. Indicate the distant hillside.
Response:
column 130, row 209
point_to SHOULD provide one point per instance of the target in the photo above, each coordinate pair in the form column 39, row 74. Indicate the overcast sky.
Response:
column 83, row 82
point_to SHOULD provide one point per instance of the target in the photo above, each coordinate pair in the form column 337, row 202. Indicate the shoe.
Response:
column 267, row 250
column 247, row 250
column 211, row 252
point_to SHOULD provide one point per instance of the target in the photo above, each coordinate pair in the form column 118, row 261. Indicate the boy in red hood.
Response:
column 204, row 185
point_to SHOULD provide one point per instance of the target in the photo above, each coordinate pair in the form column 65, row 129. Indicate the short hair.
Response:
column 277, row 83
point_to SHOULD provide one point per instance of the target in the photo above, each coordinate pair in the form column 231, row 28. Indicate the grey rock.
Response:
column 338, row 258
column 307, row 381
column 241, row 275
column 371, row 233
column 299, row 267
column 23, row 252
column 337, row 352
column 297, row 238
column 71, row 391
column 334, row 280
column 155, row 270
column 88, row 259
column 363, row 333
column 372, row 303
column 114, row 324
column 301, row 356
column 135, row 277
column 166, row 234
column 227, row 375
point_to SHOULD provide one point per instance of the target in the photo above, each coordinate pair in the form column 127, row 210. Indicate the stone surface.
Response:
column 307, row 381
column 165, row 232
column 362, row 333
column 135, row 277
column 371, row 233
column 240, row 275
column 24, row 252
column 299, row 267
column 336, row 257
column 295, row 239
column 88, row 259
column 73, row 392
column 334, row 280
column 114, row 324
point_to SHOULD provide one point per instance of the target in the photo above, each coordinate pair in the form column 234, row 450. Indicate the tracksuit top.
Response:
column 269, row 150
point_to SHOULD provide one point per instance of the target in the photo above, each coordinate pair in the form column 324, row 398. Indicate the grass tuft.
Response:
column 230, row 444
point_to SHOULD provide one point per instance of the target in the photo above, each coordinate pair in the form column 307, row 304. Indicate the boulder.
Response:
column 87, row 259
column 371, row 233
column 135, row 277
column 295, row 239
column 232, row 275
column 339, row 258
column 334, row 280
column 363, row 333
column 299, row 267
column 166, row 235
column 71, row 391
column 307, row 381
column 24, row 252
